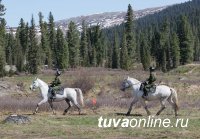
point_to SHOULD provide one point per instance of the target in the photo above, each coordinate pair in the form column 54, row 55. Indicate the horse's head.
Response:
column 34, row 85
column 126, row 84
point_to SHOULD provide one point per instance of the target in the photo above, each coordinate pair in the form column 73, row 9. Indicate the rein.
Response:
column 136, row 83
column 130, row 84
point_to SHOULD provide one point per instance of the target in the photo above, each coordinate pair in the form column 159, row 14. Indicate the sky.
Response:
column 63, row 9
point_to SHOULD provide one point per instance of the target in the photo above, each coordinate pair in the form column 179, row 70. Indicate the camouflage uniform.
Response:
column 55, row 85
column 150, row 81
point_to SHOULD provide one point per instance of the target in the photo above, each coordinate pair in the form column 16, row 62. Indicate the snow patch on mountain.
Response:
column 105, row 20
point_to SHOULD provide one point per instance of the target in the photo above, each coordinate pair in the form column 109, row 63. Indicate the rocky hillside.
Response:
column 107, row 19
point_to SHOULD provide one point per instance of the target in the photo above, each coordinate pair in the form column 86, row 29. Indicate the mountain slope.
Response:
column 107, row 19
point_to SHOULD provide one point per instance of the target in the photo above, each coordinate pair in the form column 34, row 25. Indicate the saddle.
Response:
column 59, row 91
column 149, row 89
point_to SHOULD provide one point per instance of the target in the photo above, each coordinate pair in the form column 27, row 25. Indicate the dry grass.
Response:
column 72, row 125
column 102, row 85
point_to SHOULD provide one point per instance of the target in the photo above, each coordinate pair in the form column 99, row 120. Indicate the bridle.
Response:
column 33, row 85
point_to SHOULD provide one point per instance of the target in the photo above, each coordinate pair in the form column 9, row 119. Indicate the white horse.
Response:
column 162, row 93
column 69, row 95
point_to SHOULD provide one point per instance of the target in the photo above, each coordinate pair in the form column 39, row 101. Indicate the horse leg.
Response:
column 51, row 105
column 69, row 106
column 145, row 107
column 130, row 108
column 77, row 106
column 36, row 109
column 40, row 103
column 162, row 102
column 74, row 102
column 173, row 106
column 173, row 100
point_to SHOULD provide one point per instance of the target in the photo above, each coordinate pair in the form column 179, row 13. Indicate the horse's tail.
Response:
column 80, row 96
column 174, row 98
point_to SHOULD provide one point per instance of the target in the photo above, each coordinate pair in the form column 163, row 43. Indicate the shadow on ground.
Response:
column 124, row 114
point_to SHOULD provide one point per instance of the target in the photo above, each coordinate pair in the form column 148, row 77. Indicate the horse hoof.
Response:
column 157, row 114
column 149, row 114
column 128, row 114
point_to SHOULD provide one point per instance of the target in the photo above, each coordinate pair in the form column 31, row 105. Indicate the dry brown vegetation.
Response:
column 103, row 85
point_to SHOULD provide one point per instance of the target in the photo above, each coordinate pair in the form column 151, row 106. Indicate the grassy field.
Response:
column 111, row 103
column 45, row 125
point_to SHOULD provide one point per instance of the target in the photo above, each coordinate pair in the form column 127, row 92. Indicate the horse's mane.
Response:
column 42, row 81
column 134, row 80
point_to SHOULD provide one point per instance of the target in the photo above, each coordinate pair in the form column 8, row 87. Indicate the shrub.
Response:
column 84, row 83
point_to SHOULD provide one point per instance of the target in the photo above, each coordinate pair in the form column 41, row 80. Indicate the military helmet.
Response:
column 151, row 69
column 58, row 73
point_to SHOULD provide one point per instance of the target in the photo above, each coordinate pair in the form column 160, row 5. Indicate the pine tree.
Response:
column 129, row 29
column 84, row 46
column 62, row 51
column 9, row 48
column 45, row 48
column 196, row 49
column 165, row 47
column 2, row 39
column 115, row 54
column 23, row 36
column 186, row 41
column 106, row 45
column 95, row 47
column 73, row 45
column 2, row 10
column 27, row 41
column 18, row 52
column 145, row 53
column 33, row 49
column 175, row 50
column 43, row 40
column 156, row 49
column 94, row 57
column 164, row 60
column 169, row 56
column 138, row 41
column 89, row 40
column 109, row 56
column 124, row 54
column 98, row 45
column 2, row 62
column 52, row 38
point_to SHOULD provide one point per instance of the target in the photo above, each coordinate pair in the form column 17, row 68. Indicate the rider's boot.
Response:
column 145, row 93
column 53, row 95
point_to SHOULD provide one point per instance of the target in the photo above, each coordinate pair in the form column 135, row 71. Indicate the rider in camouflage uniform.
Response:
column 150, row 82
column 55, row 85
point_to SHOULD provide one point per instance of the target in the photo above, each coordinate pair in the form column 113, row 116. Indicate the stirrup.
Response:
column 53, row 97
column 144, row 96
